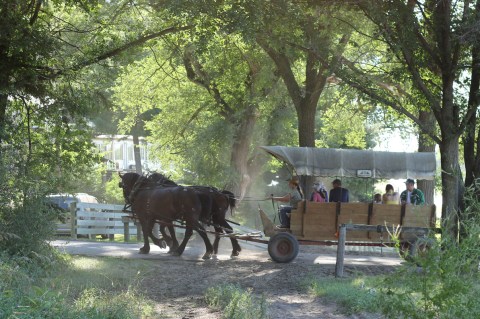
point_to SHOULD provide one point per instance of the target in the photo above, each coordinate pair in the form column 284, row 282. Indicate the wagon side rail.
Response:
column 417, row 231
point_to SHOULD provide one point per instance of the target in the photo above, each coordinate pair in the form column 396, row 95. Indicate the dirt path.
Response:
column 183, row 297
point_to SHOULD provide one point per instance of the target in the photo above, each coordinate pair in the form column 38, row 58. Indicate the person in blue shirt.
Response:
column 338, row 193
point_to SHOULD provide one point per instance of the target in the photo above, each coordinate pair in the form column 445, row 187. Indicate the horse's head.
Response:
column 161, row 179
column 232, row 201
column 127, row 184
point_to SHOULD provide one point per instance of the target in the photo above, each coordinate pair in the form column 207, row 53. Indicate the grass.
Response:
column 83, row 288
column 353, row 295
column 236, row 303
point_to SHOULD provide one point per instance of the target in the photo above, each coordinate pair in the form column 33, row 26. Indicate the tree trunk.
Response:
column 450, row 181
column 306, row 123
column 306, row 137
column 241, row 150
column 136, row 152
column 425, row 144
column 470, row 140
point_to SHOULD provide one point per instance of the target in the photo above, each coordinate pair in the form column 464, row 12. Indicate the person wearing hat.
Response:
column 338, row 193
column 292, row 198
column 412, row 195
column 319, row 193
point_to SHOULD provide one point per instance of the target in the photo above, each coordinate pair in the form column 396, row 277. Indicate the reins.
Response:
column 172, row 220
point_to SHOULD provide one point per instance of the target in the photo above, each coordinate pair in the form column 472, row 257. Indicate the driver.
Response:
column 292, row 199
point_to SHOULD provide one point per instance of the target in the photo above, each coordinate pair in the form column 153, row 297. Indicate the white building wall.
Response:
column 118, row 150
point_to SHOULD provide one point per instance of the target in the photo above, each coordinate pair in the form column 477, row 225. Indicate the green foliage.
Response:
column 441, row 282
column 113, row 193
column 200, row 120
column 236, row 303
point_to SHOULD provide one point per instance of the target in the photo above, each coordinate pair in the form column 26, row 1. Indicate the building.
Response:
column 118, row 153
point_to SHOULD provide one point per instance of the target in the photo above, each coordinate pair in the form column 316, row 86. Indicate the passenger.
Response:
column 319, row 193
column 338, row 193
column 292, row 198
column 412, row 195
column 377, row 198
column 390, row 197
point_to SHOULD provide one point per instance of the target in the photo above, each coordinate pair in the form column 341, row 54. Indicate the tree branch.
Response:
column 117, row 51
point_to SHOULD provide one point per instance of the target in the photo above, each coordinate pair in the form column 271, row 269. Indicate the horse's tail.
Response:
column 232, row 201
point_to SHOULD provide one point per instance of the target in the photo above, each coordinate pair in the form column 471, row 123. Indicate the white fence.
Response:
column 92, row 219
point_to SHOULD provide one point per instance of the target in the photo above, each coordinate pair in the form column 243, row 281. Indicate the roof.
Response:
column 313, row 161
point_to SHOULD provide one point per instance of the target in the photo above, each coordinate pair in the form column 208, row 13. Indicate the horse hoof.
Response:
column 175, row 253
column 163, row 244
column 207, row 256
column 235, row 254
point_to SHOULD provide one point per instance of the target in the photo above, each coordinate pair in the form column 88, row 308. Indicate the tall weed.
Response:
column 236, row 303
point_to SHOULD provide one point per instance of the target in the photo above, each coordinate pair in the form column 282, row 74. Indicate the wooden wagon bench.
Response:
column 320, row 221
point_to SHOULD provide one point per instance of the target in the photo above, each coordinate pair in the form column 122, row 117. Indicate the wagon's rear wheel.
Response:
column 404, row 250
column 283, row 247
column 419, row 249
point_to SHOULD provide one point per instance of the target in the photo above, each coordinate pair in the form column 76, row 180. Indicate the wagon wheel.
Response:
column 283, row 247
column 404, row 250
column 419, row 249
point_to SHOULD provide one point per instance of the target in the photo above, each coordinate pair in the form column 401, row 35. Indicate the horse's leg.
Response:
column 181, row 248
column 218, row 230
column 173, row 238
column 208, row 245
column 146, row 229
column 235, row 245
column 157, row 241
column 165, row 240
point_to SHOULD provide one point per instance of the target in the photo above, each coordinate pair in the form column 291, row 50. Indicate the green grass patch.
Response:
column 82, row 288
column 353, row 295
column 237, row 303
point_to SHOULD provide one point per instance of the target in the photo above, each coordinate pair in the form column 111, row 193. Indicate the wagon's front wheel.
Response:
column 283, row 247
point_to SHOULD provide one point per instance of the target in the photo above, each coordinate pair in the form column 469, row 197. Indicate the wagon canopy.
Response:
column 312, row 161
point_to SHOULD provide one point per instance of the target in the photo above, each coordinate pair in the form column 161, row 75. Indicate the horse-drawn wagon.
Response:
column 318, row 223
column 154, row 200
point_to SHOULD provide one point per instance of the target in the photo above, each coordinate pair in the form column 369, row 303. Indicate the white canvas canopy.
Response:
column 354, row 163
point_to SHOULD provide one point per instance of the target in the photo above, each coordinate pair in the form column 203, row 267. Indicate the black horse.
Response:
column 215, row 205
column 164, row 204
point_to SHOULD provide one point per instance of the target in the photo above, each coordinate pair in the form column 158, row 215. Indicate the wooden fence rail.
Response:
column 99, row 219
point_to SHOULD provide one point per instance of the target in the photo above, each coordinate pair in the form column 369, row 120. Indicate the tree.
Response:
column 48, row 49
column 234, row 80
column 425, row 38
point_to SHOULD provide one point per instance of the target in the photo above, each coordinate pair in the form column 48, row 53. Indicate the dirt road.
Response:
column 183, row 297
